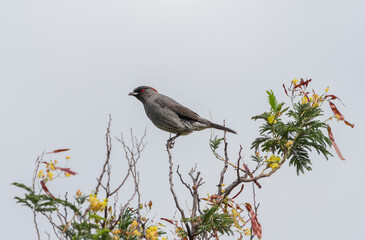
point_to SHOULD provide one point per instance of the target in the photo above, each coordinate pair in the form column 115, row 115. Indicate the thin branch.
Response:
column 238, row 162
column 197, row 182
column 245, row 178
column 256, row 206
column 183, row 182
column 225, row 164
column 53, row 224
column 168, row 147
column 36, row 224
column 108, row 151
column 171, row 181
column 122, row 211
column 37, row 163
column 132, row 154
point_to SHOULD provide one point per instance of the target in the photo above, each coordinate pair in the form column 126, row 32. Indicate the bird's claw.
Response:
column 171, row 143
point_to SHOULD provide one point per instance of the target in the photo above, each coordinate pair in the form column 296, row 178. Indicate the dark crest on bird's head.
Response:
column 143, row 92
column 143, row 88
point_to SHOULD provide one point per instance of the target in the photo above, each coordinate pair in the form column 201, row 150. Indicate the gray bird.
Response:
column 169, row 115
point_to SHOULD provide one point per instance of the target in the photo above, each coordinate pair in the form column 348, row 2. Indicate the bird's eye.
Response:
column 143, row 90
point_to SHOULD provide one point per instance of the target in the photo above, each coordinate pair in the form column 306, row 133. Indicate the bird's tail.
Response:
column 220, row 127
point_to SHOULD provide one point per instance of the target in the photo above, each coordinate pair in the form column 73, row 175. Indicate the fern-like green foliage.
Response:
column 214, row 143
column 41, row 202
column 272, row 100
column 304, row 129
column 212, row 220
column 83, row 229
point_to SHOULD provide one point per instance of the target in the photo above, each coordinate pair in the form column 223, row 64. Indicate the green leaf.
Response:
column 101, row 232
column 214, row 143
column 96, row 217
column 272, row 100
column 22, row 186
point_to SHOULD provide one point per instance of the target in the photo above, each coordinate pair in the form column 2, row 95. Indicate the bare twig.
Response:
column 245, row 178
column 256, row 206
column 53, row 224
column 220, row 184
column 168, row 147
column 37, row 164
column 108, row 151
column 183, row 182
column 238, row 161
column 248, row 172
column 35, row 224
column 197, row 182
column 132, row 154
column 49, row 235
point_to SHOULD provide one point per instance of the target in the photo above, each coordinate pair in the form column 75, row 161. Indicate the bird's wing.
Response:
column 180, row 110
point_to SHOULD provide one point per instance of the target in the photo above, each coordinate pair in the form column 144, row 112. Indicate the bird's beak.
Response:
column 133, row 94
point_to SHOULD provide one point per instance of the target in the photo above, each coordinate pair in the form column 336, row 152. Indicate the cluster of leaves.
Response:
column 85, row 217
column 222, row 216
column 212, row 220
column 41, row 202
column 85, row 224
column 46, row 204
column 288, row 133
column 301, row 134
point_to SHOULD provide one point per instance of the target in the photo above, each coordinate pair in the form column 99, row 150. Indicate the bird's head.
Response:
column 143, row 92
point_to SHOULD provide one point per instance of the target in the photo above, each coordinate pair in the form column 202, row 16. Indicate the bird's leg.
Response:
column 171, row 140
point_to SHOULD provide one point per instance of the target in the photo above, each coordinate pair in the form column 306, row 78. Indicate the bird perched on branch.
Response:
column 169, row 115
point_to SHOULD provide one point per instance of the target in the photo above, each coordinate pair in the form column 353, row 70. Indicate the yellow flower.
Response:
column 273, row 165
column 68, row 157
column 55, row 161
column 273, row 161
column 295, row 81
column 151, row 233
column 40, row 174
column 116, row 232
column 328, row 88
column 304, row 100
column 50, row 175
column 78, row 193
column 96, row 204
column 247, row 231
column 134, row 223
column 51, row 166
column 271, row 119
column 67, row 174
column 315, row 96
column 289, row 144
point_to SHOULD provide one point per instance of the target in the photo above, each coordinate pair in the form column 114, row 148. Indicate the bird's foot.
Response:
column 170, row 144
column 171, row 141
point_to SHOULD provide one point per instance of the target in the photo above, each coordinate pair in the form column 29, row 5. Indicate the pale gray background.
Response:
column 66, row 65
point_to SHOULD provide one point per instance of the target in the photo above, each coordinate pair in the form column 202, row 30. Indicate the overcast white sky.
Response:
column 66, row 65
